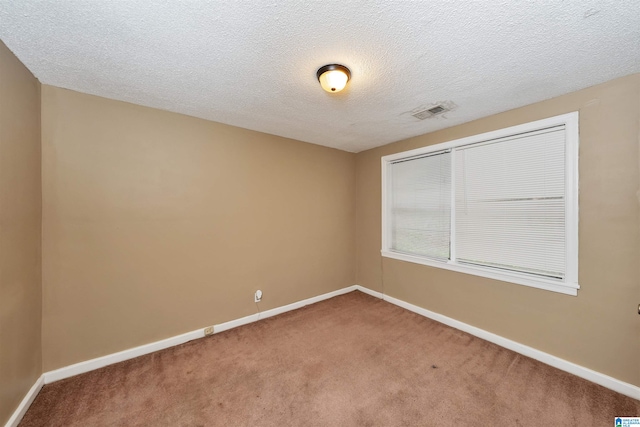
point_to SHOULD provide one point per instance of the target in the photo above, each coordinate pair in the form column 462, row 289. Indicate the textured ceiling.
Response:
column 252, row 63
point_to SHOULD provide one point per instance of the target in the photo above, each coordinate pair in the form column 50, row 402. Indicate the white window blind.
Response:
column 510, row 203
column 501, row 205
column 420, row 210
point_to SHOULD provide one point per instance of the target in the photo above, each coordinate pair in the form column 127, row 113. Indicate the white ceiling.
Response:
column 252, row 63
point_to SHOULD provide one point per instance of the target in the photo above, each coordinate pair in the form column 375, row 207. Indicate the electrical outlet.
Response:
column 208, row 331
column 258, row 296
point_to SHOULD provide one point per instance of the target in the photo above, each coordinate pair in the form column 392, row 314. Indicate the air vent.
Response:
column 425, row 113
column 437, row 109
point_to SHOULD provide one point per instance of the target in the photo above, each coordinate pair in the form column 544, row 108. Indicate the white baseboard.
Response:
column 90, row 365
column 110, row 359
column 370, row 292
column 564, row 365
column 26, row 402
column 93, row 364
column 279, row 310
column 308, row 301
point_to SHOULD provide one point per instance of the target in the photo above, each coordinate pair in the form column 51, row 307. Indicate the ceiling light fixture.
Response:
column 333, row 77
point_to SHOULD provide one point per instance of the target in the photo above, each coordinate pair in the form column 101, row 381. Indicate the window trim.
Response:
column 569, row 285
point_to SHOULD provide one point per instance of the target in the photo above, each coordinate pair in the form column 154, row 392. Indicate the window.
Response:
column 502, row 205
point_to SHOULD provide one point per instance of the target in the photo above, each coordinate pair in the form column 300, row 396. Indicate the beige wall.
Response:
column 156, row 224
column 20, row 286
column 600, row 328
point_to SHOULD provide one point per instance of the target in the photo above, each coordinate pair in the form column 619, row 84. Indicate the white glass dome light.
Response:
column 333, row 77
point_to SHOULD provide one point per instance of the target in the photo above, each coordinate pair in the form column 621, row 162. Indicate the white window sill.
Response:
column 505, row 276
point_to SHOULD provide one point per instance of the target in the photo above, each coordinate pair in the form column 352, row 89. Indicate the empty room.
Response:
column 319, row 213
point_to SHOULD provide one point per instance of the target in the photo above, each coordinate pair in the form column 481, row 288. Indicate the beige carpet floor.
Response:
column 353, row 360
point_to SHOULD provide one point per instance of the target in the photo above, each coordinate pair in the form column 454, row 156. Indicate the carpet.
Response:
column 352, row 360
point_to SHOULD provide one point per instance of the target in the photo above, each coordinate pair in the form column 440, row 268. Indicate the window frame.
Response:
column 569, row 284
